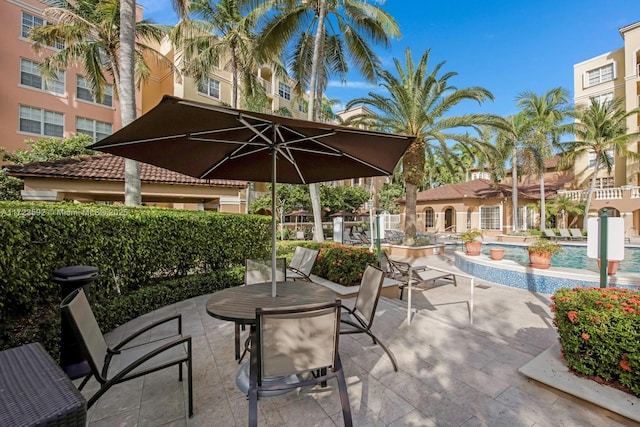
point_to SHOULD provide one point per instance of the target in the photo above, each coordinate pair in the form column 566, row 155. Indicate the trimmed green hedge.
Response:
column 132, row 247
column 44, row 324
column 600, row 333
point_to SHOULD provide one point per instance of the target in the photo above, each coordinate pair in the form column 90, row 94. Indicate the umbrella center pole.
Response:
column 273, row 223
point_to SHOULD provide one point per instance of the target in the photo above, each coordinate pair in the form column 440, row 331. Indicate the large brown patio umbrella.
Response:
column 207, row 141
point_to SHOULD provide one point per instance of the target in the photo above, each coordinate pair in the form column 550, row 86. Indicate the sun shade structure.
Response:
column 208, row 141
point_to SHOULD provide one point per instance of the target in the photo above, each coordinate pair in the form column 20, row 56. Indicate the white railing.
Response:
column 635, row 192
column 602, row 193
column 575, row 195
column 607, row 194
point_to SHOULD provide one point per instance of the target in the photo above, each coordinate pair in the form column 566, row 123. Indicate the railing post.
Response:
column 604, row 261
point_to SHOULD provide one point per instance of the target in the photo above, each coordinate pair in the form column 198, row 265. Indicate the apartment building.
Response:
column 614, row 74
column 33, row 108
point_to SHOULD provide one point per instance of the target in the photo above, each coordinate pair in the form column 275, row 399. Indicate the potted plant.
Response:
column 540, row 253
column 473, row 241
column 497, row 253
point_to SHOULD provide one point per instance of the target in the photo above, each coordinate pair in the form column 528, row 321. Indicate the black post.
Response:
column 604, row 260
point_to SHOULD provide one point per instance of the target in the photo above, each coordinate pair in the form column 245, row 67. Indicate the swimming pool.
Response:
column 570, row 257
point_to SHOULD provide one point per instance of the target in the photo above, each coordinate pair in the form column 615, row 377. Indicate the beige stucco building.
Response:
column 614, row 74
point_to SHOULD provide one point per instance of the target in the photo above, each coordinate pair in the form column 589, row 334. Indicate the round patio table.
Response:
column 238, row 305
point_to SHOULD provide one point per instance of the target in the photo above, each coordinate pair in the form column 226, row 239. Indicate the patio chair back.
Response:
column 369, row 294
column 292, row 341
column 564, row 233
column 77, row 310
column 259, row 270
column 298, row 340
column 550, row 234
column 303, row 261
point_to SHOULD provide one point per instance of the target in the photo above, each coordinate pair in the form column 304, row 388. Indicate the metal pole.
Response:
column 604, row 261
column 378, row 232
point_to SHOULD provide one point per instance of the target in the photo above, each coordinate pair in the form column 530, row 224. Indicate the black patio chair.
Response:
column 359, row 319
column 300, row 341
column 111, row 366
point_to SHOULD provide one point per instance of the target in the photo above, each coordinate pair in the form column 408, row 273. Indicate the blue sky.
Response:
column 504, row 46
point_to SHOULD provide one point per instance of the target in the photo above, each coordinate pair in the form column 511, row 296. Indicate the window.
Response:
column 428, row 218
column 284, row 91
column 490, row 218
column 602, row 74
column 606, row 182
column 30, row 76
column 30, row 21
column 479, row 175
column 592, row 159
column 84, row 92
column 210, row 88
column 41, row 122
column 95, row 129
column 601, row 99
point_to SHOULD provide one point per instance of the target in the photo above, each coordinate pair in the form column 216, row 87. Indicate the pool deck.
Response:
column 451, row 373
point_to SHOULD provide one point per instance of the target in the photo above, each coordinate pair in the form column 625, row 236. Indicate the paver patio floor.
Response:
column 451, row 373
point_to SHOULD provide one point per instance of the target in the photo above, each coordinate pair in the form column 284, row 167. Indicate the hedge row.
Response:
column 44, row 324
column 132, row 247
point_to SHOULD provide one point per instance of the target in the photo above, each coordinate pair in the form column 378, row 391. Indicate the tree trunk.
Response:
column 514, row 188
column 234, row 78
column 127, row 95
column 592, row 187
column 410, row 214
column 314, row 191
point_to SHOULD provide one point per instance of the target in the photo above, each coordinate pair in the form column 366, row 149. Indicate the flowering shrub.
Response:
column 343, row 264
column 600, row 333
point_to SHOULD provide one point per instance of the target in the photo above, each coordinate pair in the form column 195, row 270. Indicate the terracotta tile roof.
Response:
column 106, row 167
column 483, row 189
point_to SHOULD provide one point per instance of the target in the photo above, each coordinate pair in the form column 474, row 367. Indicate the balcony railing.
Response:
column 603, row 193
column 266, row 84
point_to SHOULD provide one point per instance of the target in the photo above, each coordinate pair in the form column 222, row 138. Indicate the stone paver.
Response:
column 451, row 373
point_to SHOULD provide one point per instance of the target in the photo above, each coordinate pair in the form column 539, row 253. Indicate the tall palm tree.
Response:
column 419, row 103
column 338, row 28
column 510, row 142
column 601, row 129
column 224, row 29
column 547, row 113
column 91, row 33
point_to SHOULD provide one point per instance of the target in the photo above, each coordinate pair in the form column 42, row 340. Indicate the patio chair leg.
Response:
column 344, row 395
column 386, row 350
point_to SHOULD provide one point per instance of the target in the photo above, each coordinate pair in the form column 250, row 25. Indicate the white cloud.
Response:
column 352, row 85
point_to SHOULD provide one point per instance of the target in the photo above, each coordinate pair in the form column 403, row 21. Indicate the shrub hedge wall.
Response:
column 132, row 247
column 600, row 333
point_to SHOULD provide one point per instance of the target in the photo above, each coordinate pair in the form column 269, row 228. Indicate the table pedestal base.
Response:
column 242, row 382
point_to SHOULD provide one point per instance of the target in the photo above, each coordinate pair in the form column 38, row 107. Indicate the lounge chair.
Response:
column 299, row 341
column 576, row 234
column 564, row 234
column 396, row 270
column 549, row 233
column 114, row 365
column 359, row 319
column 426, row 274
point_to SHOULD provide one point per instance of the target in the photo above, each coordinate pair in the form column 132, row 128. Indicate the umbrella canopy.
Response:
column 300, row 214
column 208, row 141
column 342, row 213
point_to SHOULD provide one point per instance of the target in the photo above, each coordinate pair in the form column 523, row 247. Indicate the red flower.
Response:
column 609, row 306
column 585, row 336
column 625, row 365
column 553, row 307
column 573, row 316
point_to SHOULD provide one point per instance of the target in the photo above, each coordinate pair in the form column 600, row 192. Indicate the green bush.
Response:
column 132, row 247
column 44, row 324
column 600, row 333
column 343, row 264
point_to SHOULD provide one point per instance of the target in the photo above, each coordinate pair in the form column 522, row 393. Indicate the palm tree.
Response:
column 547, row 114
column 510, row 142
column 601, row 129
column 91, row 33
column 418, row 104
column 565, row 205
column 224, row 28
column 352, row 25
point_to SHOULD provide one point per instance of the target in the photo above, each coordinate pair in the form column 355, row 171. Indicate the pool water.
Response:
column 570, row 257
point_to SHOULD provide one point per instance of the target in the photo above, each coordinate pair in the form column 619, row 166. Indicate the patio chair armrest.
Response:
column 133, row 365
column 139, row 332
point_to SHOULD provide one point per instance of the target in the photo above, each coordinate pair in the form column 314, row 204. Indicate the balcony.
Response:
column 619, row 193
column 266, row 84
